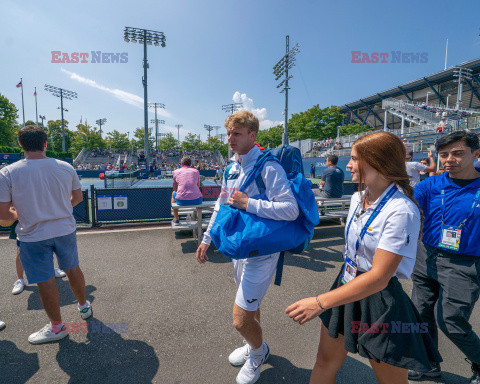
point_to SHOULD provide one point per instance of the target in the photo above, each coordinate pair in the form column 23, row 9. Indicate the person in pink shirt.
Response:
column 186, row 186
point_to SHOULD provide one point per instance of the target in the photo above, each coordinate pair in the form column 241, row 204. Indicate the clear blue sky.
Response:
column 216, row 48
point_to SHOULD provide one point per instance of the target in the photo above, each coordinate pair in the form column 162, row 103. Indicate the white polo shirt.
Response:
column 395, row 229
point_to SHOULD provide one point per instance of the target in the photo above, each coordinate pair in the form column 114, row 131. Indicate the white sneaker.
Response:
column 86, row 312
column 2, row 324
column 18, row 286
column 250, row 371
column 240, row 355
column 46, row 335
column 59, row 273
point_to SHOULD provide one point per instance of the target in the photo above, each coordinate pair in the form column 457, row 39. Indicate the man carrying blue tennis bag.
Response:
column 259, row 207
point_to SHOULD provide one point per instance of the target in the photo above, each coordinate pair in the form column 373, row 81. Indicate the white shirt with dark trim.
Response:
column 282, row 204
column 395, row 229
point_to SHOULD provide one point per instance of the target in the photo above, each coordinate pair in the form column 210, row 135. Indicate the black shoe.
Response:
column 476, row 374
column 434, row 372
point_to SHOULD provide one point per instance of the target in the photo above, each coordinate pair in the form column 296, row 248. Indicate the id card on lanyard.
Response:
column 351, row 265
column 451, row 235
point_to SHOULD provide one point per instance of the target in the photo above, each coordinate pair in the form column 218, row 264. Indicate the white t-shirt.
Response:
column 395, row 229
column 40, row 191
column 413, row 170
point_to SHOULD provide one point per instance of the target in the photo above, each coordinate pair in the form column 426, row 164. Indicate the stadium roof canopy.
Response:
column 440, row 86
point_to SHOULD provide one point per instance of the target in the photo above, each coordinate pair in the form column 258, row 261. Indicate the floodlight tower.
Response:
column 280, row 69
column 230, row 108
column 209, row 128
column 155, row 106
column 462, row 74
column 156, row 122
column 178, row 126
column 101, row 122
column 61, row 93
column 144, row 36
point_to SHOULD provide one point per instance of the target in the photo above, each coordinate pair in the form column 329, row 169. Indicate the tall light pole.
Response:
column 280, row 69
column 156, row 122
column 210, row 128
column 230, row 108
column 462, row 74
column 155, row 106
column 178, row 126
column 144, row 36
column 42, row 118
column 61, row 93
column 101, row 122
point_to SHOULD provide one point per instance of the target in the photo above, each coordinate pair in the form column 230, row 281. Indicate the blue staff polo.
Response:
column 457, row 206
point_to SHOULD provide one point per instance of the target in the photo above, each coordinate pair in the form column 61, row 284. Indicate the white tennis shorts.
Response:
column 253, row 277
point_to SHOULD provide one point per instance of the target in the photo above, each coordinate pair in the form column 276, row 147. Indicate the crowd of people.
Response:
column 447, row 113
column 160, row 160
column 397, row 228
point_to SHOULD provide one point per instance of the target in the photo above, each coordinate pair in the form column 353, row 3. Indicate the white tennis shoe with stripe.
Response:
column 250, row 371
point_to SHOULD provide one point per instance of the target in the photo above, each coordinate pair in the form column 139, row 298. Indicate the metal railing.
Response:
column 411, row 110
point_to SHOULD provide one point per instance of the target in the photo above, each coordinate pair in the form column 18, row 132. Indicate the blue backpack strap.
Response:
column 257, row 171
column 278, row 275
column 260, row 184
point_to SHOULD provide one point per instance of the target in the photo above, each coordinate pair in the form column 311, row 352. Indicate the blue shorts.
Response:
column 37, row 257
column 187, row 202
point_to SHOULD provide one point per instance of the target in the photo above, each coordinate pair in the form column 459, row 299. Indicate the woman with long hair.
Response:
column 366, row 311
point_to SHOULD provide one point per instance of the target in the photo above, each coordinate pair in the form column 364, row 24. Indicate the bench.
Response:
column 329, row 209
column 198, row 223
column 333, row 208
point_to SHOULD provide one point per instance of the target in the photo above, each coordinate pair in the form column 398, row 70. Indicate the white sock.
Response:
column 23, row 281
column 258, row 351
column 80, row 307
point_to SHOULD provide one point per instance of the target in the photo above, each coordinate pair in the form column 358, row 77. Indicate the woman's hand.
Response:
column 304, row 310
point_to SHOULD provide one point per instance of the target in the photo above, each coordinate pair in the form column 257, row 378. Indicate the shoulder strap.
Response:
column 257, row 169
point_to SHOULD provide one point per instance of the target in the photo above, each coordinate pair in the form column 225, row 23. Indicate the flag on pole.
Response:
column 19, row 84
column 35, row 93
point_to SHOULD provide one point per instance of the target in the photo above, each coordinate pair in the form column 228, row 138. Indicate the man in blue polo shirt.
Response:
column 448, row 273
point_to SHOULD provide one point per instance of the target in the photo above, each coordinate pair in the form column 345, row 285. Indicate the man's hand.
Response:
column 201, row 254
column 8, row 214
column 304, row 310
column 239, row 200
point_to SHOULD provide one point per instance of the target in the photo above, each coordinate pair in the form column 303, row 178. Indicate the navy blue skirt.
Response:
column 383, row 327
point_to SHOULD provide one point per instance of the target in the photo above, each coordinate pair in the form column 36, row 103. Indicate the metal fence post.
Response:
column 93, row 206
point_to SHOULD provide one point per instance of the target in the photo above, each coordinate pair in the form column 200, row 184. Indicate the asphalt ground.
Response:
column 160, row 317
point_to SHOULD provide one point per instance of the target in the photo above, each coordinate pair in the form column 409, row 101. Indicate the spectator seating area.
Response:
column 162, row 160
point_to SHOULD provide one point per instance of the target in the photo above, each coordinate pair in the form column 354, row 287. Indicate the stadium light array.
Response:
column 61, row 93
column 281, row 69
column 145, row 37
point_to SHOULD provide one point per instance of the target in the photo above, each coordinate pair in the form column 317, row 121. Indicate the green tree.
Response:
column 138, row 138
column 168, row 142
column 315, row 123
column 54, row 132
column 87, row 137
column 271, row 137
column 191, row 142
column 8, row 122
column 214, row 144
column 117, row 140
column 351, row 129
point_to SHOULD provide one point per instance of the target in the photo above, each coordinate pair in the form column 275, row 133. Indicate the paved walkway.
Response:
column 172, row 316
